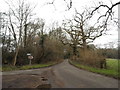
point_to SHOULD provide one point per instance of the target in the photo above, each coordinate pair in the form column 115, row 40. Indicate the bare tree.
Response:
column 33, row 28
column 108, row 13
column 88, row 29
column 56, row 32
column 42, row 37
column 19, row 16
column 68, row 3
column 73, row 38
column 81, row 31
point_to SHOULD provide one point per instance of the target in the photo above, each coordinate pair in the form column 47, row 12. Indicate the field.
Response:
column 112, row 68
column 113, row 64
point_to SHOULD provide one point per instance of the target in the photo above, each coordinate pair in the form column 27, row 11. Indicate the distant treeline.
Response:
column 110, row 52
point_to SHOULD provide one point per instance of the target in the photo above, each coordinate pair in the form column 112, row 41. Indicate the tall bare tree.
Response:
column 82, row 30
column 19, row 16
column 73, row 38
column 109, row 11
column 88, row 29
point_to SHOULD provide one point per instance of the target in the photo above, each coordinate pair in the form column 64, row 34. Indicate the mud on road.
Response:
column 29, row 79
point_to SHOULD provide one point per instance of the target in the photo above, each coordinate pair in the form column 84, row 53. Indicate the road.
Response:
column 62, row 75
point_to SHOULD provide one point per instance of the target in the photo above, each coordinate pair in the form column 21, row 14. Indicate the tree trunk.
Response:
column 15, row 58
column 74, row 50
column 25, row 35
column 84, row 44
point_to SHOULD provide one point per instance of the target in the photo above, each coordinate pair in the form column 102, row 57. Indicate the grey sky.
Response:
column 57, row 12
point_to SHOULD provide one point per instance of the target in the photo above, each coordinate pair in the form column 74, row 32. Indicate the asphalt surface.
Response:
column 62, row 75
column 73, row 77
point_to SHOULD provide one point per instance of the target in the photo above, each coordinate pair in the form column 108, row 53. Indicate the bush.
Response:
column 53, row 50
column 92, row 58
column 7, row 57
column 49, row 50
column 22, row 58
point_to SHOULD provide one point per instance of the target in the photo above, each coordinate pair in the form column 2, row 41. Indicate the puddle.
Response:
column 44, row 79
column 45, row 83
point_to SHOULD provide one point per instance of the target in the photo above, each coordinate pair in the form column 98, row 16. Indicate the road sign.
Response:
column 28, row 54
column 30, row 57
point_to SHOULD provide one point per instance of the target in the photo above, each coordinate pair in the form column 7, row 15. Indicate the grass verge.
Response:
column 25, row 67
column 111, row 71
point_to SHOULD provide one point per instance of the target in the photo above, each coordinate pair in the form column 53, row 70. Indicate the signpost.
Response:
column 30, row 57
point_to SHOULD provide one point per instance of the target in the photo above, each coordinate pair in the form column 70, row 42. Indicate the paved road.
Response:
column 63, row 75
column 73, row 77
column 24, row 78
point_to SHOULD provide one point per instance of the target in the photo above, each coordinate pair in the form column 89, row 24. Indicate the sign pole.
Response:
column 30, row 62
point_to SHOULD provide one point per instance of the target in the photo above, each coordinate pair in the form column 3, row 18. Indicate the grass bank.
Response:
column 112, row 68
column 25, row 67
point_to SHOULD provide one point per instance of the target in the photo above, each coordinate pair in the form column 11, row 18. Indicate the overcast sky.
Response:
column 57, row 12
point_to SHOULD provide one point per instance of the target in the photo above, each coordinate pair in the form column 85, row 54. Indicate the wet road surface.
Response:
column 62, row 75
